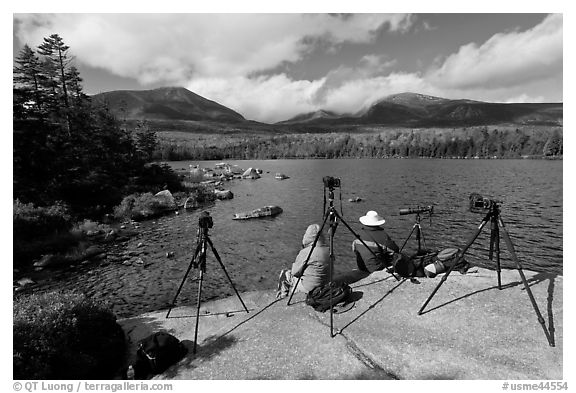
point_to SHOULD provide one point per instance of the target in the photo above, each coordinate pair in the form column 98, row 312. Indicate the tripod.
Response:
column 416, row 228
column 199, row 262
column 331, row 216
column 493, row 216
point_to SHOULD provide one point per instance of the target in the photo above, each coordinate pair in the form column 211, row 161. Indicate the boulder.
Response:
column 92, row 251
column 166, row 199
column 48, row 260
column 223, row 194
column 25, row 281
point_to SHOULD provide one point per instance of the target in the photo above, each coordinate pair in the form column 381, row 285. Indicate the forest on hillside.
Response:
column 478, row 142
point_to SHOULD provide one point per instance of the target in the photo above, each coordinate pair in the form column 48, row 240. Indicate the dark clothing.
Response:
column 379, row 243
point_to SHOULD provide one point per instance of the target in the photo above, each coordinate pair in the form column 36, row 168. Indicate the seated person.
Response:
column 316, row 272
column 381, row 247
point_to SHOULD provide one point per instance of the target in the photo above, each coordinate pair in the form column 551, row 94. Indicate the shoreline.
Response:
column 380, row 337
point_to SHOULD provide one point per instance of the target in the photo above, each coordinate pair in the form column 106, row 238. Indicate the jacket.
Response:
column 316, row 272
column 379, row 243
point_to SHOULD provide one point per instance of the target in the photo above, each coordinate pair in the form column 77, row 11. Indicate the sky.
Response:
column 271, row 67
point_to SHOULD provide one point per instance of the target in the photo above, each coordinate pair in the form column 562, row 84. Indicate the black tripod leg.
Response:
column 307, row 259
column 496, row 234
column 200, row 279
column 361, row 241
column 444, row 278
column 492, row 238
column 420, row 239
column 526, row 286
column 330, row 273
column 408, row 238
column 460, row 258
column 225, row 272
column 198, row 248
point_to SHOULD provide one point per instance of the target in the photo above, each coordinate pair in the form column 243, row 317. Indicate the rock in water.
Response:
column 223, row 194
column 166, row 199
column 25, row 281
column 47, row 260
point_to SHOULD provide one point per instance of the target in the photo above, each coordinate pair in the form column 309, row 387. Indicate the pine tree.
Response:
column 146, row 141
column 56, row 55
column 28, row 78
column 74, row 85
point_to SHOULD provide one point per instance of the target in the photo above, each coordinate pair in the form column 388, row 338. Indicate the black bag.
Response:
column 157, row 352
column 319, row 297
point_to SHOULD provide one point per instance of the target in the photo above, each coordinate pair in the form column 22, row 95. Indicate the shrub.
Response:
column 65, row 335
column 89, row 227
column 157, row 177
column 139, row 207
column 30, row 221
column 201, row 193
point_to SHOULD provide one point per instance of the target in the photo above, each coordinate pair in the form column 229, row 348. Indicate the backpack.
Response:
column 319, row 297
column 157, row 352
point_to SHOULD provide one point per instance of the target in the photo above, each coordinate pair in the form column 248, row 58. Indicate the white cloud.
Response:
column 506, row 59
column 216, row 56
column 523, row 98
column 264, row 98
column 173, row 47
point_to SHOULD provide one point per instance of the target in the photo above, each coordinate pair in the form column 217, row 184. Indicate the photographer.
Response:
column 315, row 273
column 378, row 242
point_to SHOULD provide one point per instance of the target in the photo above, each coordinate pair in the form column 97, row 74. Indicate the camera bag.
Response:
column 319, row 297
column 157, row 352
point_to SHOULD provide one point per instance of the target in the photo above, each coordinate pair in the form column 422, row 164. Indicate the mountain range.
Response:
column 177, row 104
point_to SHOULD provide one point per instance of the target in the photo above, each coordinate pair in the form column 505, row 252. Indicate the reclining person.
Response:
column 313, row 274
column 381, row 248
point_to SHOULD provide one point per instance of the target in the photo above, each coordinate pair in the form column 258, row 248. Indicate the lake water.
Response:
column 254, row 251
column 530, row 191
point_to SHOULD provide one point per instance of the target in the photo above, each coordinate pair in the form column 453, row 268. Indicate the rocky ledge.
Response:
column 470, row 330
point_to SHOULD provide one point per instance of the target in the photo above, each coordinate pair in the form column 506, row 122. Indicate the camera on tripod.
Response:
column 480, row 204
column 331, row 182
column 205, row 221
column 417, row 210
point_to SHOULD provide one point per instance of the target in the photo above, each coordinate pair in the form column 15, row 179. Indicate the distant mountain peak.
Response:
column 410, row 98
column 312, row 116
column 167, row 103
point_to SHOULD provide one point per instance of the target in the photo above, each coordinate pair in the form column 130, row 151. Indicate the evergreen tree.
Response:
column 146, row 141
column 74, row 86
column 29, row 79
column 56, row 55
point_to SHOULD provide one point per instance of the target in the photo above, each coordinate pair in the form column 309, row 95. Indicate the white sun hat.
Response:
column 372, row 219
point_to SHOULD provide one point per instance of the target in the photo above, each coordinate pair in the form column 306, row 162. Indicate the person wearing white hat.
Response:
column 381, row 247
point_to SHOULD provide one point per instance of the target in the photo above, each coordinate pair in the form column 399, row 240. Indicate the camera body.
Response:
column 205, row 221
column 331, row 182
column 480, row 204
